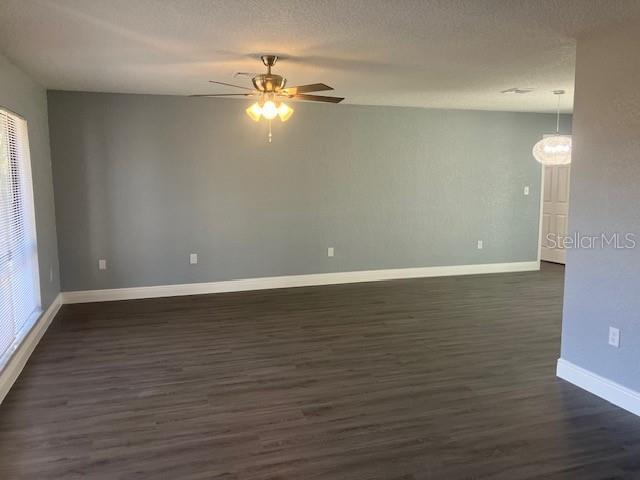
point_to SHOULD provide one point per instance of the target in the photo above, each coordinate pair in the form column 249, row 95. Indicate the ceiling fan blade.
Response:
column 223, row 95
column 314, row 87
column 231, row 85
column 248, row 75
column 318, row 98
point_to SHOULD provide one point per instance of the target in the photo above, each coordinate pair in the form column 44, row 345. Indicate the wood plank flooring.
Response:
column 439, row 378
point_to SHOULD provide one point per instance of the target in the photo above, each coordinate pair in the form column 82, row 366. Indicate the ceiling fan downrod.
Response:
column 269, row 61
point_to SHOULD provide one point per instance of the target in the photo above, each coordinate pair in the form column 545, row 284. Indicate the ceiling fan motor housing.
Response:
column 268, row 82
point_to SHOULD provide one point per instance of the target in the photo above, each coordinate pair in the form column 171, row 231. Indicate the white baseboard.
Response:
column 610, row 391
column 18, row 360
column 291, row 281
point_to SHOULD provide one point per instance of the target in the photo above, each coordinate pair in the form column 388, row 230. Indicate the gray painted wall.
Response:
column 144, row 180
column 21, row 95
column 602, row 286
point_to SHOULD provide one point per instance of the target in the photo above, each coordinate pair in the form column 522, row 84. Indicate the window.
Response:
column 19, row 285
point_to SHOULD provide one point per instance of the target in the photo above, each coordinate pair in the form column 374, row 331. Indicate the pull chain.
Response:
column 269, row 131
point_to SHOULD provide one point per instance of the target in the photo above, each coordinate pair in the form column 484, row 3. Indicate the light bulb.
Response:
column 285, row 112
column 269, row 110
column 255, row 112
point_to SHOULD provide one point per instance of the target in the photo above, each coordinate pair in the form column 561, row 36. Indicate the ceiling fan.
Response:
column 270, row 90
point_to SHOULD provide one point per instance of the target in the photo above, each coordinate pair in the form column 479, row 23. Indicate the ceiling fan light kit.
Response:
column 270, row 90
column 554, row 149
column 269, row 109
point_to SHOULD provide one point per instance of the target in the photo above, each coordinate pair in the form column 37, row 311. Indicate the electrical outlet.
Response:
column 480, row 244
column 614, row 337
column 526, row 189
column 330, row 252
column 102, row 264
column 193, row 258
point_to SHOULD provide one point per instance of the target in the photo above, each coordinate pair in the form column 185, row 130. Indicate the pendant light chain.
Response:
column 558, row 115
column 557, row 94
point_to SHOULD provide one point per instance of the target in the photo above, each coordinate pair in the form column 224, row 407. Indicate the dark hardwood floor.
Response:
column 440, row 378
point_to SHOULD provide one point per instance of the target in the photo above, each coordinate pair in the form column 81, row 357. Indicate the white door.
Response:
column 555, row 212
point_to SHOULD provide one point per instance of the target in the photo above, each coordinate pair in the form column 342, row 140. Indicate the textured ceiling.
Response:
column 428, row 53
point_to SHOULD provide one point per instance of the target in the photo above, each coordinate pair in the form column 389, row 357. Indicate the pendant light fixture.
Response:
column 554, row 149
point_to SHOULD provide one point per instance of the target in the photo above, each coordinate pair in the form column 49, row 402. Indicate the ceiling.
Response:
column 424, row 53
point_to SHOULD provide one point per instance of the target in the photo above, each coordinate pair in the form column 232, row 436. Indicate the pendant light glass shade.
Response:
column 553, row 150
column 269, row 110
column 255, row 112
column 284, row 112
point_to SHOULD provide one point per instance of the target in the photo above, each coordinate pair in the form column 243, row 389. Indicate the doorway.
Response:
column 554, row 212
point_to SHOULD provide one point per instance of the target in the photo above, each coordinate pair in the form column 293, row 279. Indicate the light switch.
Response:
column 102, row 264
column 330, row 252
column 480, row 244
column 526, row 189
column 193, row 258
column 614, row 337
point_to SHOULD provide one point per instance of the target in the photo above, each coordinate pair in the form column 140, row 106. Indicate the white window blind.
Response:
column 19, row 284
